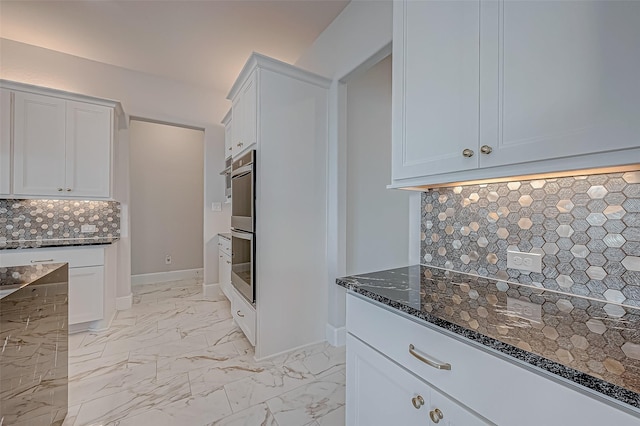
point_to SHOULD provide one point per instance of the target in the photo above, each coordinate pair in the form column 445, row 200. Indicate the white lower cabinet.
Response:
column 499, row 388
column 244, row 314
column 86, row 276
column 380, row 392
column 224, row 266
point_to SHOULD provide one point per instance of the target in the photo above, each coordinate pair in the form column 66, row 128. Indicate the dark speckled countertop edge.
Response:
column 598, row 385
column 225, row 235
column 62, row 242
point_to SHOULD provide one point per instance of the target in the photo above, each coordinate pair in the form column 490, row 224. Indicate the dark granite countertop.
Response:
column 590, row 342
column 226, row 235
column 15, row 277
column 59, row 242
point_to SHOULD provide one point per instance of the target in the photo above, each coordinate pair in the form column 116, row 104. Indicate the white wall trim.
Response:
column 163, row 277
column 210, row 290
column 125, row 302
column 336, row 336
column 289, row 351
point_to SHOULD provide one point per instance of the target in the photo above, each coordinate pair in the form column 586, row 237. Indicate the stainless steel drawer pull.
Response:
column 434, row 364
column 239, row 314
column 42, row 261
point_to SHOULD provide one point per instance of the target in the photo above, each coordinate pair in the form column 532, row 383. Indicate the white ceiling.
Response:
column 201, row 42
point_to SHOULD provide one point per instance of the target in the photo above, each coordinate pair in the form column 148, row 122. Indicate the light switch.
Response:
column 216, row 206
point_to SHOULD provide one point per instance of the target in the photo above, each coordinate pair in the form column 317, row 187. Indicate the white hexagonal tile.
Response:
column 457, row 244
column 428, row 257
column 564, row 305
column 564, row 356
column 564, row 281
column 493, row 217
column 428, row 208
column 631, row 177
column 564, row 206
column 474, row 197
column 525, row 200
column 442, row 251
column 614, row 240
column 514, row 186
column 614, row 311
column 483, row 242
column 442, row 216
column 443, row 199
column 502, row 233
column 465, row 230
column 482, row 312
column 597, row 192
column 596, row 326
column 492, row 299
column 564, row 231
column 631, row 350
column 596, row 219
column 579, row 342
column 449, row 230
column 465, row 315
column 474, row 226
column 465, row 259
column 614, row 296
column 492, row 258
column 632, row 263
column 580, row 251
column 537, row 184
column 550, row 333
column 613, row 366
column 428, row 224
column 502, row 286
column 524, row 345
column 596, row 273
column 614, row 212
column 493, row 196
column 525, row 223
column 503, row 211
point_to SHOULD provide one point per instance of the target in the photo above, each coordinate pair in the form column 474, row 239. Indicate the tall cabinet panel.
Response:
column 88, row 149
column 5, row 142
column 435, row 86
column 558, row 79
column 39, row 144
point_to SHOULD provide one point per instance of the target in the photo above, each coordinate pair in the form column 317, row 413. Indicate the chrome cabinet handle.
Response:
column 239, row 314
column 417, row 401
column 434, row 364
column 436, row 415
column 42, row 261
column 468, row 153
column 486, row 149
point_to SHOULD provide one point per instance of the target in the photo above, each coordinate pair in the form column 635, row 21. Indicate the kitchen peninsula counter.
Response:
column 57, row 242
column 593, row 343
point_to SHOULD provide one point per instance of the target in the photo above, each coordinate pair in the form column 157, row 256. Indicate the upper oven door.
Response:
column 243, row 190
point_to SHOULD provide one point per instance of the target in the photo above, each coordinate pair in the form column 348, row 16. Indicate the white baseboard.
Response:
column 163, row 277
column 268, row 357
column 125, row 302
column 336, row 336
column 210, row 290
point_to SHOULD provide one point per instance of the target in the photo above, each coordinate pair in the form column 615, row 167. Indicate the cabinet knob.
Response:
column 68, row 189
column 468, row 153
column 436, row 415
column 417, row 401
column 228, row 262
column 230, row 148
column 240, row 144
column 59, row 189
column 486, row 149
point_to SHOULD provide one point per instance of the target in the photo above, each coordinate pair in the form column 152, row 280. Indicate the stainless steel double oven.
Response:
column 243, row 200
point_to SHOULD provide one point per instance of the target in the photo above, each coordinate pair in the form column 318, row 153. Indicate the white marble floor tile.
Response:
column 98, row 367
column 266, row 385
column 225, row 331
column 75, row 340
column 135, row 401
column 168, row 349
column 85, row 353
column 72, row 413
column 244, row 346
column 222, row 373
column 202, row 358
column 196, row 410
column 333, row 418
column 326, row 362
column 310, row 402
column 252, row 416
column 140, row 341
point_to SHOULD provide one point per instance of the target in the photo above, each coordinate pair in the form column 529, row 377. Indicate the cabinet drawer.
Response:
column 501, row 390
column 224, row 245
column 75, row 257
column 244, row 315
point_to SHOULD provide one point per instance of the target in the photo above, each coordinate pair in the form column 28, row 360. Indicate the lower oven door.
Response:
column 243, row 263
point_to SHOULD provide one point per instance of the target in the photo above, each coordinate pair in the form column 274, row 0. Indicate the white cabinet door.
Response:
column 380, row 392
column 39, row 145
column 435, row 87
column 228, row 138
column 237, row 118
column 224, row 274
column 86, row 294
column 88, row 149
column 245, row 117
column 5, row 142
column 558, row 78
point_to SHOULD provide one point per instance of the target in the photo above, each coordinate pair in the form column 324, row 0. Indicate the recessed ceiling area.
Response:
column 205, row 43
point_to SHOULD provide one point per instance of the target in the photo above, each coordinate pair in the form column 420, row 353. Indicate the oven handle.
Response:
column 242, row 171
column 242, row 235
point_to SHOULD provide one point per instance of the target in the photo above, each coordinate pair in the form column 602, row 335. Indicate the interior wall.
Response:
column 377, row 218
column 167, row 187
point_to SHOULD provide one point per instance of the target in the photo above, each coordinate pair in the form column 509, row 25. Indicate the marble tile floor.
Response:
column 176, row 358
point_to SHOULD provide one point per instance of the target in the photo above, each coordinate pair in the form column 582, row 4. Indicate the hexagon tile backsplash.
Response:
column 587, row 228
column 56, row 219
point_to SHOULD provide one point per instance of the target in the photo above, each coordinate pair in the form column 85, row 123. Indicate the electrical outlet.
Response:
column 216, row 206
column 524, row 261
column 526, row 310
column 88, row 228
column 167, row 259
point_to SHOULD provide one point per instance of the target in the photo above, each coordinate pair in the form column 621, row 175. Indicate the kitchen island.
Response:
column 496, row 336
column 34, row 333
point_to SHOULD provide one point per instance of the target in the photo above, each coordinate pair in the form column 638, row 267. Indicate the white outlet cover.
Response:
column 523, row 309
column 531, row 262
column 216, row 206
column 88, row 228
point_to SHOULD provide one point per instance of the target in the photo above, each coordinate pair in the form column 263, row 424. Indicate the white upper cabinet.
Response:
column 244, row 115
column 492, row 88
column 435, row 86
column 5, row 142
column 88, row 149
column 61, row 147
column 39, row 145
column 228, row 136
